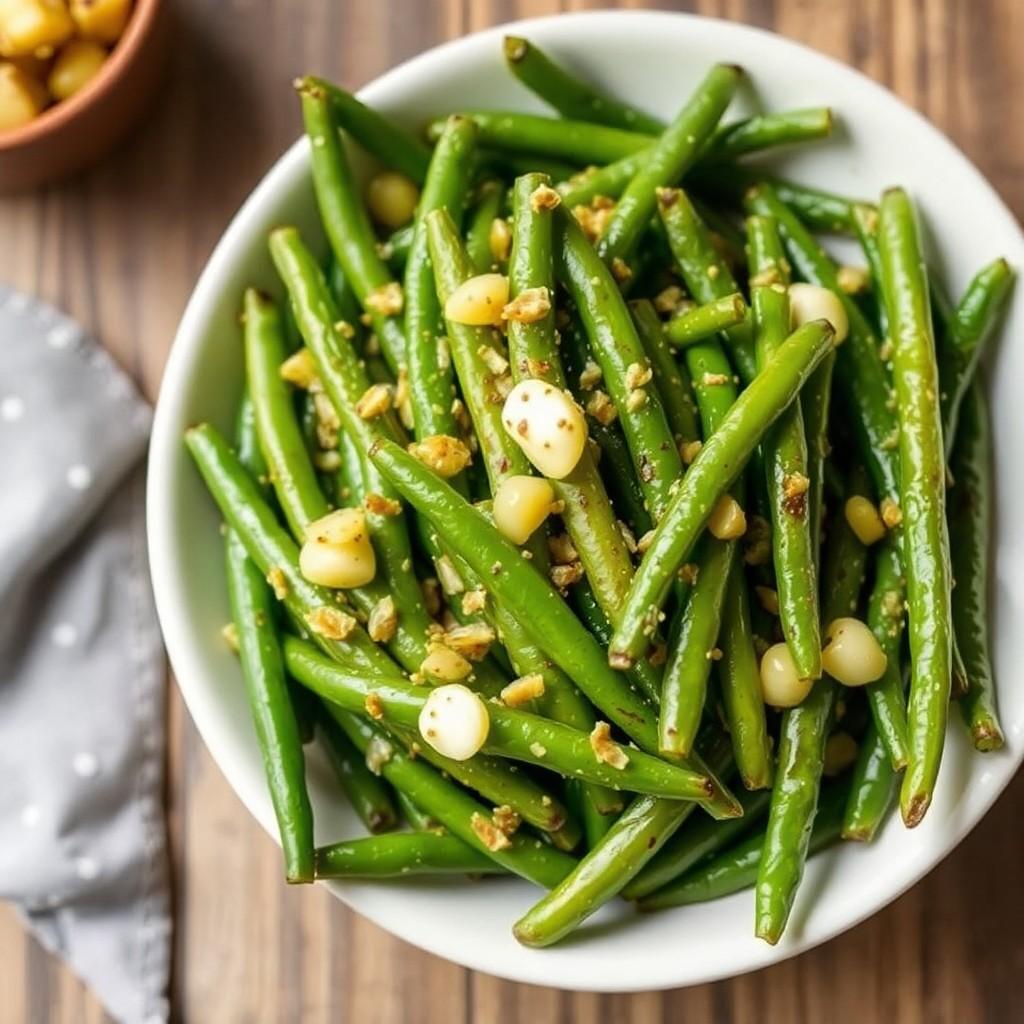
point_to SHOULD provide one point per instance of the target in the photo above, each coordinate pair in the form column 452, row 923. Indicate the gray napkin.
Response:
column 82, row 840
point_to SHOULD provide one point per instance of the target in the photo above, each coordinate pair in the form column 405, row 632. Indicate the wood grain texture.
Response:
column 120, row 250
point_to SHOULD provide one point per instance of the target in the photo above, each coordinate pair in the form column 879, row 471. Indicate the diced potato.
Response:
column 102, row 20
column 75, row 65
column 33, row 27
column 21, row 97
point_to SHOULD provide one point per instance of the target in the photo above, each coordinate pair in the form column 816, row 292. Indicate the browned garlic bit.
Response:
column 780, row 683
column 300, row 369
column 863, row 518
column 727, row 521
column 590, row 376
column 523, row 690
column 562, row 549
column 391, row 199
column 851, row 653
column 445, row 455
column 668, row 299
column 605, row 748
column 506, row 820
column 488, row 833
column 564, row 576
column 794, row 494
column 278, row 582
column 521, row 504
column 594, row 218
column 374, row 402
column 529, row 306
column 474, row 601
column 330, row 623
column 387, row 299
column 602, row 408
column 383, row 620
column 443, row 665
column 337, row 551
column 892, row 514
column 472, row 641
column 809, row 302
column 689, row 450
column 374, row 706
column 448, row 575
column 454, row 721
column 547, row 425
column 378, row 753
column 378, row 505
column 478, row 301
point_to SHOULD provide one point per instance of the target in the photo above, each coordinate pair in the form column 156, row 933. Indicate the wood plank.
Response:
column 120, row 249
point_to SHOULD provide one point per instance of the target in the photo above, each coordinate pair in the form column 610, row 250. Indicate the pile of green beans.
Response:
column 660, row 706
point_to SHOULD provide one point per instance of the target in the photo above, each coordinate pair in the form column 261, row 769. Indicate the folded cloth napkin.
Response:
column 82, row 839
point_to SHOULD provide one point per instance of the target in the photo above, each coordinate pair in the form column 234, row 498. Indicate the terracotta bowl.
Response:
column 70, row 135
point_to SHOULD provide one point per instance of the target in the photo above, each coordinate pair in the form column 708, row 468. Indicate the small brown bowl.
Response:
column 76, row 132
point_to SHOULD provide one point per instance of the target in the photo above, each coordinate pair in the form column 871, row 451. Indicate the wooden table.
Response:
column 121, row 248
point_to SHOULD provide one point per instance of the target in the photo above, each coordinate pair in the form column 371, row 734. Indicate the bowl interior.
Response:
column 652, row 60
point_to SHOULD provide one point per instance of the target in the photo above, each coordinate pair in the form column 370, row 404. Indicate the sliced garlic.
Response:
column 521, row 504
column 478, row 301
column 851, row 654
column 863, row 518
column 809, row 302
column 781, row 684
column 454, row 721
column 548, row 425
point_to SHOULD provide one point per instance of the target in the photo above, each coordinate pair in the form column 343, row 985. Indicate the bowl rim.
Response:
column 56, row 117
column 182, row 648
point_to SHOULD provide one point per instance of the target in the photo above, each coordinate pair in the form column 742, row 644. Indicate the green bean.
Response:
column 272, row 711
column 513, row 733
column 416, row 819
column 885, row 618
column 802, row 738
column 695, row 843
column 345, row 381
column 247, row 443
column 668, row 159
column 861, row 373
column 642, row 829
column 280, row 438
column 785, row 457
column 581, row 142
column 401, row 854
column 922, row 499
column 670, row 379
column 717, row 464
column 818, row 210
column 872, row 789
column 395, row 250
column 614, row 463
column 501, row 455
column 816, row 406
column 491, row 196
column 569, row 95
column 969, row 516
column 865, row 226
column 391, row 144
column 455, row 809
column 431, row 383
column 702, row 322
column 706, row 274
column 617, row 349
column 739, row 682
column 608, row 181
column 533, row 352
column 502, row 785
column 739, row 867
column 367, row 793
column 531, row 598
column 270, row 546
column 347, row 225
column 970, row 327
column 596, row 821
column 763, row 131
column 692, row 648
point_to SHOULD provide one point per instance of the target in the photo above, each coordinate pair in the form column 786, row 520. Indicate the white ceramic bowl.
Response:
column 652, row 60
